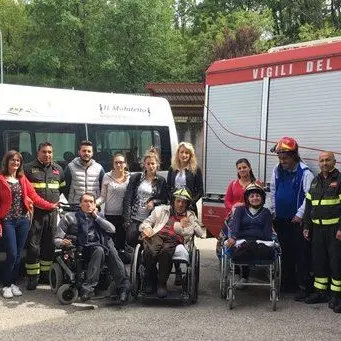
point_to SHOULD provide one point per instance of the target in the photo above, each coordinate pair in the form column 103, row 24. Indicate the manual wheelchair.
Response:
column 228, row 283
column 188, row 259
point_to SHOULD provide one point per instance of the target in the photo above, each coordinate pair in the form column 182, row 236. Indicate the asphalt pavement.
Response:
column 38, row 316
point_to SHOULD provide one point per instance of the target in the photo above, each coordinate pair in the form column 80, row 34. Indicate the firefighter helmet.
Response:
column 286, row 144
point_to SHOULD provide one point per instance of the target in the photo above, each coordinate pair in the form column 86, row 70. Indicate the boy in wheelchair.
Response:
column 162, row 231
column 251, row 229
column 86, row 228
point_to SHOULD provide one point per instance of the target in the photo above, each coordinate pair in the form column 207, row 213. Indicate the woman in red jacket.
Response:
column 234, row 196
column 17, row 197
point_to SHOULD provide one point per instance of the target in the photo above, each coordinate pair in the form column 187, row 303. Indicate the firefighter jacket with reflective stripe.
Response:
column 323, row 201
column 47, row 180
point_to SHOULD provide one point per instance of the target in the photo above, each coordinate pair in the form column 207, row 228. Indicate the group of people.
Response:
column 305, row 214
column 141, row 207
column 161, row 213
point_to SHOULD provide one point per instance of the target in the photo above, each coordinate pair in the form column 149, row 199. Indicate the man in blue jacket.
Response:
column 290, row 182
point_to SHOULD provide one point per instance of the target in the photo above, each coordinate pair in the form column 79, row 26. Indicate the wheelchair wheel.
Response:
column 273, row 297
column 67, row 294
column 135, row 277
column 55, row 277
column 230, row 295
column 278, row 274
column 195, row 269
column 223, row 277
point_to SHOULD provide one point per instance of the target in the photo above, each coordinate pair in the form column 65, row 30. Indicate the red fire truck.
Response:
column 251, row 102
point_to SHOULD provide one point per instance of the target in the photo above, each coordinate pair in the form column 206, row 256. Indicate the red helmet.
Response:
column 286, row 144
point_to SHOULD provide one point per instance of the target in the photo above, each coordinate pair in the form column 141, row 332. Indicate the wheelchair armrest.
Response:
column 191, row 243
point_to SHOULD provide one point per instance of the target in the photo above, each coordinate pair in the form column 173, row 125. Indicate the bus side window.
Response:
column 20, row 141
column 64, row 144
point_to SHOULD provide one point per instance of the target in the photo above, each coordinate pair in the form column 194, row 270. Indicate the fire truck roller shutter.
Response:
column 238, row 108
column 307, row 108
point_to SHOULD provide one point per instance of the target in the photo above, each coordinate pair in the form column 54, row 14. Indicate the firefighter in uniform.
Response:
column 47, row 179
column 322, row 224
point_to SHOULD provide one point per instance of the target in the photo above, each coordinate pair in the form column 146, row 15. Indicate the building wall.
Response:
column 190, row 129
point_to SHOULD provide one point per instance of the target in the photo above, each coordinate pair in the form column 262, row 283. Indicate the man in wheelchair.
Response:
column 162, row 231
column 251, row 228
column 88, row 229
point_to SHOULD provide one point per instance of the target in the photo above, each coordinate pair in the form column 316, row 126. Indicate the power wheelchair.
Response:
column 228, row 282
column 68, row 271
column 189, row 259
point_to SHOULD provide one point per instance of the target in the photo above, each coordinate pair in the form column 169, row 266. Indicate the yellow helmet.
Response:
column 183, row 193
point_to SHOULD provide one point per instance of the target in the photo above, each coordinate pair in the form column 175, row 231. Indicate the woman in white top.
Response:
column 114, row 186
column 145, row 191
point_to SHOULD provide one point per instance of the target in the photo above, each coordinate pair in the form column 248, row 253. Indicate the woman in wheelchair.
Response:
column 162, row 231
column 251, row 223
column 92, row 232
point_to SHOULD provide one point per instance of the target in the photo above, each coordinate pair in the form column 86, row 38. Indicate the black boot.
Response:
column 319, row 296
column 44, row 278
column 32, row 282
column 301, row 295
column 337, row 306
column 332, row 302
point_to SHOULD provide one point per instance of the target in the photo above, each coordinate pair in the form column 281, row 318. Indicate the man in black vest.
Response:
column 322, row 224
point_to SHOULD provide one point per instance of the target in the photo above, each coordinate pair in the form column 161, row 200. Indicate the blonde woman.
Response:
column 185, row 173
column 145, row 191
column 114, row 186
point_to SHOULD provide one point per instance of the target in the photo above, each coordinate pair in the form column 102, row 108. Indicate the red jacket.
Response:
column 234, row 194
column 29, row 196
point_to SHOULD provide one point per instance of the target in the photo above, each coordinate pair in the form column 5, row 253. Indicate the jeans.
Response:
column 96, row 256
column 116, row 268
column 14, row 235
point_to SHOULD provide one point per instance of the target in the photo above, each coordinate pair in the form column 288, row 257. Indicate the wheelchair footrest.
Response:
column 253, row 262
column 171, row 295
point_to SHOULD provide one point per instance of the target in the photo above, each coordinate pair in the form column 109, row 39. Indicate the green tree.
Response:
column 229, row 34
column 142, row 45
column 13, row 25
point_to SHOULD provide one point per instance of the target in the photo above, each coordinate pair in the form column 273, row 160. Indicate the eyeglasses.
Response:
column 119, row 162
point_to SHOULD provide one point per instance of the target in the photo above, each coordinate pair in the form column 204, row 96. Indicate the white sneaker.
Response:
column 7, row 292
column 240, row 285
column 15, row 290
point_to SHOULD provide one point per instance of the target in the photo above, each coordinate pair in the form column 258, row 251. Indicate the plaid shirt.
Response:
column 167, row 233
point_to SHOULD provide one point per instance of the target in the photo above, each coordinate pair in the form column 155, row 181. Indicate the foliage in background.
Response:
column 120, row 45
